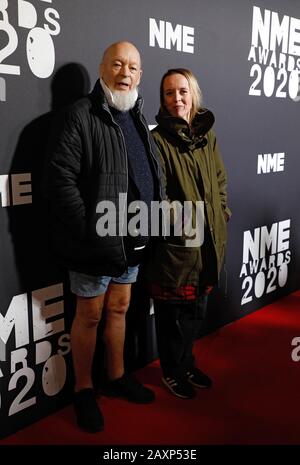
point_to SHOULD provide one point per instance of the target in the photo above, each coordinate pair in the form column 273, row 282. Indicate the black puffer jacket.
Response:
column 87, row 163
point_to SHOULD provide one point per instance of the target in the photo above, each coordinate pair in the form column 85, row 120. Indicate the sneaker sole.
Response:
column 176, row 393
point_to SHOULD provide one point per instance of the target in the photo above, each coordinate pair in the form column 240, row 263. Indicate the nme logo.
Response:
column 268, row 162
column 266, row 256
column 168, row 36
column 15, row 189
column 274, row 55
column 33, row 349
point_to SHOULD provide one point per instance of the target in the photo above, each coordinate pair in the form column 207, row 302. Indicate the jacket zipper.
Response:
column 126, row 162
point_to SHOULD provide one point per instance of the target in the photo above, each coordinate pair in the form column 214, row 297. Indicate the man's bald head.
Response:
column 117, row 46
column 120, row 67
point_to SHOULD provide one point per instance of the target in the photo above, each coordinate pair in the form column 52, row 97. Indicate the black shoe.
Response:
column 88, row 415
column 179, row 386
column 129, row 388
column 198, row 379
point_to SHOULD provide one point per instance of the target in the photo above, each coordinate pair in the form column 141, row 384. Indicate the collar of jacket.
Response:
column 194, row 134
column 100, row 102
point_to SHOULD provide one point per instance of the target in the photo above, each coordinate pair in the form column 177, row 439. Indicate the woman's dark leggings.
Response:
column 177, row 327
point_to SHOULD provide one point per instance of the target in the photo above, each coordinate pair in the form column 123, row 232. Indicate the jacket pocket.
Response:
column 174, row 265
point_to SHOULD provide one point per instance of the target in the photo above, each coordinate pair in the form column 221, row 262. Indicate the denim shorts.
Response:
column 85, row 285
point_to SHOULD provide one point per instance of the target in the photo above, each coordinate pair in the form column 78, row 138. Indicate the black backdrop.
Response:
column 246, row 56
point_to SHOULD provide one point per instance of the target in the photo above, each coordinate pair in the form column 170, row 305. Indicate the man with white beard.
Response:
column 103, row 150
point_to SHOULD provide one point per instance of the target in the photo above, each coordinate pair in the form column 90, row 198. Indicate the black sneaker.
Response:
column 198, row 379
column 179, row 386
column 129, row 388
column 88, row 415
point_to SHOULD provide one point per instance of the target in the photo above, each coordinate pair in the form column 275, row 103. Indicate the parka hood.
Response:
column 191, row 134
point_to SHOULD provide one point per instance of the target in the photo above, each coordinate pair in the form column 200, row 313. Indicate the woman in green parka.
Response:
column 180, row 275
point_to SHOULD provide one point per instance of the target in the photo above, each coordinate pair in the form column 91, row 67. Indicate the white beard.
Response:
column 122, row 101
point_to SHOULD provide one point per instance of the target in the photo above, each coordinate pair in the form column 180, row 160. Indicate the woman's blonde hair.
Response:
column 193, row 85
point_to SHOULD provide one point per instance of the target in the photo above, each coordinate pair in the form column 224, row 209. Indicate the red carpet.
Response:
column 255, row 398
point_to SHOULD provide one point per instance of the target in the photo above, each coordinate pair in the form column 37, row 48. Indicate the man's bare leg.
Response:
column 120, row 384
column 83, row 338
column 116, row 305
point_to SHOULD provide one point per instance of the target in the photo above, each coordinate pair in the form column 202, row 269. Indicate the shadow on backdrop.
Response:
column 35, row 268
column 28, row 223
